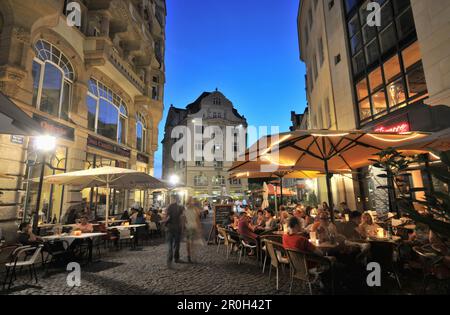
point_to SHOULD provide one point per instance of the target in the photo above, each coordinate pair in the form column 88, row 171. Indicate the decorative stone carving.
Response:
column 21, row 34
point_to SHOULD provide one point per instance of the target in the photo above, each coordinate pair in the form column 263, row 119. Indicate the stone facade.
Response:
column 202, row 178
column 432, row 20
column 120, row 43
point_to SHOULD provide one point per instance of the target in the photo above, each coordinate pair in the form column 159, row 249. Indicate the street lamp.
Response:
column 43, row 144
column 174, row 180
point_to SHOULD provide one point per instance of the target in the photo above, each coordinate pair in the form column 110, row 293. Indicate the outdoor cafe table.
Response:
column 124, row 227
column 71, row 238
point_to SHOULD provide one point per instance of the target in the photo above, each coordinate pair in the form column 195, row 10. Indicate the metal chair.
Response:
column 244, row 246
column 31, row 254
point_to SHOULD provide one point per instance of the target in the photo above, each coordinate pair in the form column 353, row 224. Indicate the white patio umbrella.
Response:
column 109, row 177
column 265, row 203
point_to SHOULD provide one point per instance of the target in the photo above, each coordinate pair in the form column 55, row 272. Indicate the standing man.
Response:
column 174, row 221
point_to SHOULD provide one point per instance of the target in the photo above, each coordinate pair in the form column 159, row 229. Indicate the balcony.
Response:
column 100, row 51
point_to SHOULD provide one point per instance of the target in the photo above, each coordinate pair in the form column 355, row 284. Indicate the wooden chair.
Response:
column 429, row 259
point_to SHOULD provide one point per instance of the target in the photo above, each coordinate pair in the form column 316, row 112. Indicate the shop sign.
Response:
column 401, row 127
column 17, row 139
column 55, row 129
column 108, row 147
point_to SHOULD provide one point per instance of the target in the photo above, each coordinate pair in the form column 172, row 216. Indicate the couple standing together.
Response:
column 181, row 220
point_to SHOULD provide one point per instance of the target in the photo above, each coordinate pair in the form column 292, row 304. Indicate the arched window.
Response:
column 218, row 180
column 53, row 78
column 107, row 113
column 141, row 133
column 200, row 180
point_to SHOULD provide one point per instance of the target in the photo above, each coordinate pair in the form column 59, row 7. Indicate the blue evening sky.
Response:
column 248, row 49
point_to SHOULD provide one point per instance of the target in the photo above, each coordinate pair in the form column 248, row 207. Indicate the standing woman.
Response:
column 193, row 227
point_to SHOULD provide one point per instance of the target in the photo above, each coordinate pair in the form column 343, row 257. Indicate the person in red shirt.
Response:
column 293, row 239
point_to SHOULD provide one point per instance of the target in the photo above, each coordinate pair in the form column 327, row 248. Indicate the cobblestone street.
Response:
column 145, row 272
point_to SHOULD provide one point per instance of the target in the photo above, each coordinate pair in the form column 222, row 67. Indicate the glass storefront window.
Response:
column 379, row 102
column 391, row 68
column 375, row 79
column 361, row 89
column 387, row 39
column 372, row 53
column 359, row 64
column 96, row 197
column 364, row 110
column 405, row 23
column 400, row 81
column 411, row 55
column 50, row 208
column 396, row 93
column 416, row 81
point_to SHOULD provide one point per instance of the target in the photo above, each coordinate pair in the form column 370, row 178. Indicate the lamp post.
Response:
column 43, row 144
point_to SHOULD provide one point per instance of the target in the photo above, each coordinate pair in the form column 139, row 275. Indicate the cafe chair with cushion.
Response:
column 30, row 255
column 300, row 270
column 277, row 259
column 231, row 241
column 125, row 236
column 57, row 252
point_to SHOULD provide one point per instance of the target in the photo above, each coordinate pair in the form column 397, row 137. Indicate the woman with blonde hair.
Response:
column 193, row 227
column 367, row 228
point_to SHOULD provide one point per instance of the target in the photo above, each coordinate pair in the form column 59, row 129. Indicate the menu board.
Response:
column 222, row 214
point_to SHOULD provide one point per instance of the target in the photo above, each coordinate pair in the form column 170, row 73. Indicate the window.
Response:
column 321, row 56
column 399, row 80
column 337, row 59
column 53, row 78
column 310, row 18
column 141, row 133
column 200, row 180
column 218, row 180
column 218, row 164
column 107, row 113
column 235, row 181
column 315, row 71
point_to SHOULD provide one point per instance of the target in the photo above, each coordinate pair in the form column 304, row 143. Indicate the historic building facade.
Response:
column 204, row 176
column 98, row 87
column 376, row 78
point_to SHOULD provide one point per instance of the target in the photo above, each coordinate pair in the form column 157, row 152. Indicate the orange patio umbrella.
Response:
column 323, row 151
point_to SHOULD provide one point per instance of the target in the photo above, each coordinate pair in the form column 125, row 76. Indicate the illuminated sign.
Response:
column 397, row 128
column 55, row 129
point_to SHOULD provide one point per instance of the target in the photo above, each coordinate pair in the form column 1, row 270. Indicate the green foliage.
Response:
column 437, row 204
column 312, row 201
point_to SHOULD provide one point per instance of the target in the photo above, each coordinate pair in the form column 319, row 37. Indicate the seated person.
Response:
column 350, row 229
column 259, row 221
column 344, row 209
column 125, row 216
column 299, row 214
column 245, row 229
column 367, row 228
column 270, row 222
column 84, row 226
column 284, row 217
column 325, row 230
column 293, row 239
column 26, row 235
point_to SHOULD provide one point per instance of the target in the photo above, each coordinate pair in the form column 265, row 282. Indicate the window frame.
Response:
column 120, row 114
column 42, row 60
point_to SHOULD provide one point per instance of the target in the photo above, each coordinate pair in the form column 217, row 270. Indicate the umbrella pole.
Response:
column 107, row 203
column 281, row 190
column 330, row 193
